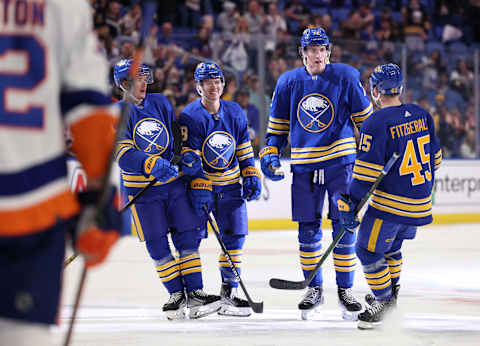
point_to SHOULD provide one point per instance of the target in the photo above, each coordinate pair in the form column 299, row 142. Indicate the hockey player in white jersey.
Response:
column 51, row 77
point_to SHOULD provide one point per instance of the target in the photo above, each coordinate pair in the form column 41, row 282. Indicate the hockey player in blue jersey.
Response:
column 218, row 157
column 403, row 200
column 318, row 106
column 144, row 153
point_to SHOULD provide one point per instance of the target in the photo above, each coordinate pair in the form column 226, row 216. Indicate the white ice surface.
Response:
column 439, row 300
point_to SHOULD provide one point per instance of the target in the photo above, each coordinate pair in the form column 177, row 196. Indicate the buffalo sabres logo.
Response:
column 151, row 136
column 315, row 112
column 218, row 149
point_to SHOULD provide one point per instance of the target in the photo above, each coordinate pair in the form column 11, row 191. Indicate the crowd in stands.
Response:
column 433, row 42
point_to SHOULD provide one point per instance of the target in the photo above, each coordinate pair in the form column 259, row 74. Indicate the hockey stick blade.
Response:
column 298, row 285
column 281, row 284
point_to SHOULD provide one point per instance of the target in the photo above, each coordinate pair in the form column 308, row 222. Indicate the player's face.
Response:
column 315, row 58
column 140, row 86
column 212, row 88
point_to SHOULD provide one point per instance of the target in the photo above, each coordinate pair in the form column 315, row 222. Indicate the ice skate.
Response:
column 370, row 298
column 349, row 304
column 174, row 309
column 373, row 315
column 310, row 301
column 201, row 304
column 231, row 304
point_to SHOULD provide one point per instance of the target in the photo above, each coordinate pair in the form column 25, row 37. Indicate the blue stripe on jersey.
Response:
column 71, row 99
column 32, row 178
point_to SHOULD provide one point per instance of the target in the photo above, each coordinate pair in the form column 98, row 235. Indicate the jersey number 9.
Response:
column 410, row 163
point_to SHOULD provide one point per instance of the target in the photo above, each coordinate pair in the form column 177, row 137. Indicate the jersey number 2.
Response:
column 410, row 163
column 19, row 77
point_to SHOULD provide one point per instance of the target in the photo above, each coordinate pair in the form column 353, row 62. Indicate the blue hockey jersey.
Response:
column 318, row 111
column 405, row 193
column 148, row 132
column 221, row 140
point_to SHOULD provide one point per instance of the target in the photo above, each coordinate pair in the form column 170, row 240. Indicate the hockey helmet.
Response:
column 387, row 79
column 207, row 70
column 121, row 71
column 314, row 37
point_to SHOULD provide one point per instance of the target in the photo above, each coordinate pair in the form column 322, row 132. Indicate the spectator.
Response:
column 359, row 19
column 462, row 79
column 200, row 44
column 226, row 20
column 165, row 35
column 112, row 18
column 130, row 23
column 430, row 67
column 230, row 89
column 255, row 17
column 127, row 47
column 416, row 25
column 236, row 54
column 297, row 16
column 242, row 97
column 274, row 21
column 467, row 148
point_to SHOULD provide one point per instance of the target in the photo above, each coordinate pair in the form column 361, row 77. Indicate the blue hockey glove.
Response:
column 191, row 164
column 252, row 185
column 160, row 168
column 346, row 209
column 270, row 162
column 200, row 194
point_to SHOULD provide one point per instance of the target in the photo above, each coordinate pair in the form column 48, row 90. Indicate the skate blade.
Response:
column 229, row 310
column 311, row 313
column 175, row 315
column 348, row 315
column 363, row 325
column 203, row 310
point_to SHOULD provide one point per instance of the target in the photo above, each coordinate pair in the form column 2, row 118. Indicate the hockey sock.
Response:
column 234, row 245
column 169, row 273
column 191, row 270
column 344, row 258
column 310, row 241
column 395, row 261
column 377, row 273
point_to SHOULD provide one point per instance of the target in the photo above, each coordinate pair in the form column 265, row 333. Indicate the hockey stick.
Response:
column 149, row 8
column 256, row 307
column 298, row 285
column 177, row 155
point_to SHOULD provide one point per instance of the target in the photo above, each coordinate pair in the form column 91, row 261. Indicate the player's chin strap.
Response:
column 376, row 99
column 128, row 95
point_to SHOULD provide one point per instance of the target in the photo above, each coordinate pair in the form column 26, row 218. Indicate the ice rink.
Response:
column 439, row 301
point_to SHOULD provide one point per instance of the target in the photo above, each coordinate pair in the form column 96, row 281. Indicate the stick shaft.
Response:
column 292, row 285
column 256, row 307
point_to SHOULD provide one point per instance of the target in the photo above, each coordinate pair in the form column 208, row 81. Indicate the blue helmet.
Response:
column 387, row 78
column 121, row 71
column 207, row 70
column 314, row 37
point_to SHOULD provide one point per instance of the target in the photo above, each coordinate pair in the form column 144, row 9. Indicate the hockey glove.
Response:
column 270, row 162
column 160, row 168
column 346, row 209
column 191, row 164
column 200, row 194
column 252, row 185
column 95, row 235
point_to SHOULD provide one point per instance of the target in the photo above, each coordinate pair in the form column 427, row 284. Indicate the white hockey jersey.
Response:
column 51, row 75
